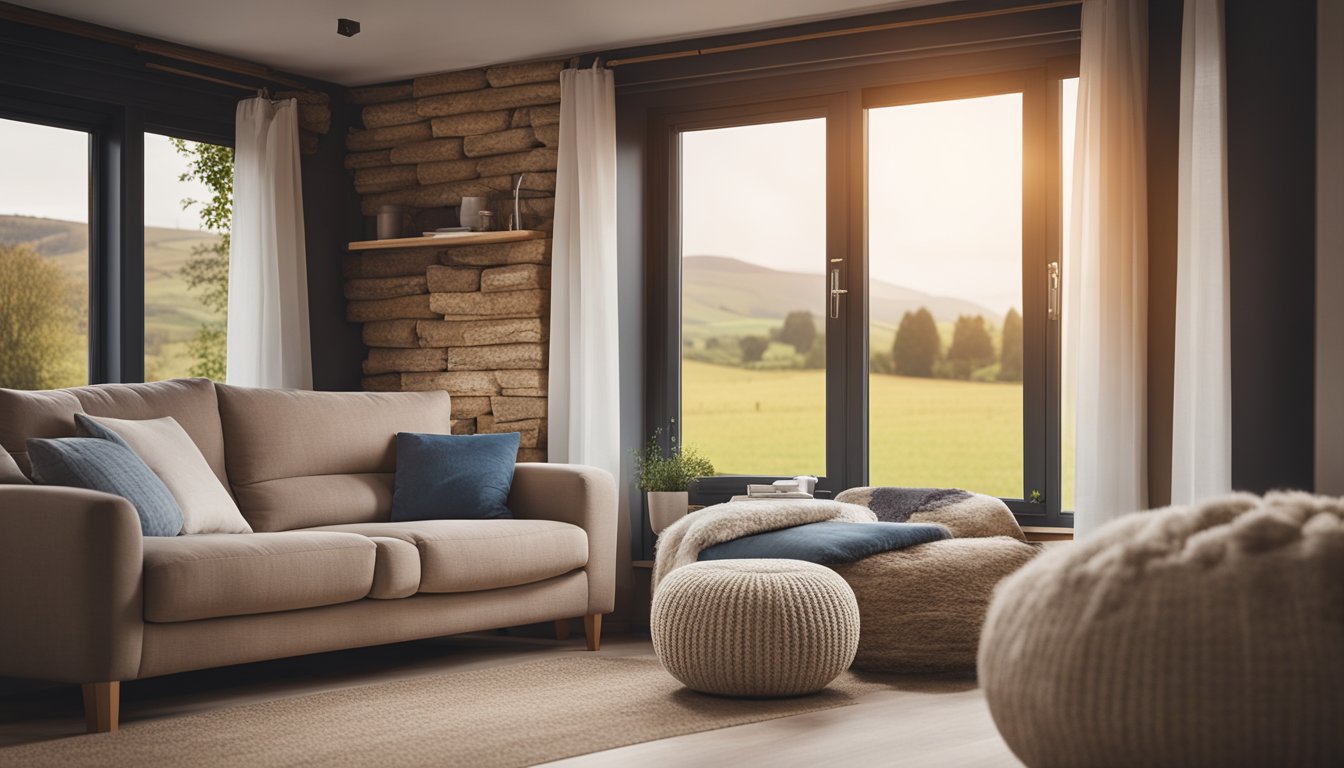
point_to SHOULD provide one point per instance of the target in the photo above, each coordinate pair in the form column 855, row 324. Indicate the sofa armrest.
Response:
column 582, row 496
column 70, row 573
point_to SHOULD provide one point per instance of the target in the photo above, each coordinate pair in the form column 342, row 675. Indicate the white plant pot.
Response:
column 666, row 508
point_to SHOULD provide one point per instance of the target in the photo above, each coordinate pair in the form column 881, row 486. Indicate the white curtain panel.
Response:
column 584, row 396
column 268, row 343
column 1201, row 455
column 1106, row 267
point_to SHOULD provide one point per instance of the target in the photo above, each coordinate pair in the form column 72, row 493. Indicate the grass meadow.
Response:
column 922, row 432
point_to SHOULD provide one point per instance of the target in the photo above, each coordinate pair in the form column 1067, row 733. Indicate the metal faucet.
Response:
column 517, row 222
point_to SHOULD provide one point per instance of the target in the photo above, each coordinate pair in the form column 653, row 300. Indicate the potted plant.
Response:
column 664, row 479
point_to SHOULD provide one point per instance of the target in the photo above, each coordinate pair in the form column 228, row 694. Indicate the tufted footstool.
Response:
column 1204, row 636
column 758, row 628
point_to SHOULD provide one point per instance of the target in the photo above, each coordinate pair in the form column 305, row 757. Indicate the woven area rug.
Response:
column 514, row 715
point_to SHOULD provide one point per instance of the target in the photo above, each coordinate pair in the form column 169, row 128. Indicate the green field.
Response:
column 923, row 432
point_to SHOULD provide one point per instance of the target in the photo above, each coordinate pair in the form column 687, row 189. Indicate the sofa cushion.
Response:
column 472, row 555
column 304, row 459
column 396, row 571
column 229, row 574
column 453, row 477
column 50, row 413
column 10, row 474
column 206, row 505
column 101, row 465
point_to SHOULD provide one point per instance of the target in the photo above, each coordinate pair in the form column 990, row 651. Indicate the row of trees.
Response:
column 918, row 348
column 42, row 322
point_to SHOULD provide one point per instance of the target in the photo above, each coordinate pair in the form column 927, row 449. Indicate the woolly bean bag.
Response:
column 1203, row 636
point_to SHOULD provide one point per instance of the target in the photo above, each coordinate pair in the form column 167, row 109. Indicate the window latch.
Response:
column 836, row 293
column 1052, row 286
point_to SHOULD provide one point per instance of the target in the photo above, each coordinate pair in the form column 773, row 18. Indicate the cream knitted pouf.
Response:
column 755, row 627
column 1207, row 636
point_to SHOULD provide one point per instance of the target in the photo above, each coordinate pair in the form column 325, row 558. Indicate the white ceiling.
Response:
column 403, row 38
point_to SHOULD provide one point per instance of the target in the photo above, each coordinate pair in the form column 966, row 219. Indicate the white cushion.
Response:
column 206, row 505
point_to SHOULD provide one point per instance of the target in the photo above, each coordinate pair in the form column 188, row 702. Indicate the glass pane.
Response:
column 44, row 256
column 1068, row 119
column 945, row 266
column 188, row 194
column 753, row 334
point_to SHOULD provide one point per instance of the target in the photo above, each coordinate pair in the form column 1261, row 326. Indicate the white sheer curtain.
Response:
column 268, row 343
column 1106, row 266
column 584, row 399
column 1201, row 451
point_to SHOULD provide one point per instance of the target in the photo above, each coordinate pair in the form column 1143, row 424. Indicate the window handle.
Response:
column 836, row 293
column 1052, row 286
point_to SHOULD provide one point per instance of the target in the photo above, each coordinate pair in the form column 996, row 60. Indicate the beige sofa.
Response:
column 84, row 598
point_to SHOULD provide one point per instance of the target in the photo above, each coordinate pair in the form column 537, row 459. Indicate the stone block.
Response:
column 470, row 124
column 411, row 262
column 540, row 159
column 427, row 152
column 469, row 407
column 539, row 181
column 370, row 203
column 539, row 207
column 518, row 74
column 532, row 455
column 379, row 94
column 388, row 360
column 385, row 287
column 499, row 143
column 374, row 159
column 390, row 113
column 445, row 171
column 455, row 383
column 387, row 138
column 546, row 114
column 548, row 135
column 383, row 382
column 529, row 431
column 518, row 379
column 391, row 333
column 402, row 308
column 497, row 357
column 441, row 279
column 475, row 333
column 451, row 193
column 315, row 119
column 489, row 99
column 464, row 427
column 449, row 82
column 516, row 277
column 497, row 254
column 471, row 306
column 385, row 179
column 518, row 408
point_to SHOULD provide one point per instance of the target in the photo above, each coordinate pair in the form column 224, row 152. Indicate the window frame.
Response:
column 847, row 390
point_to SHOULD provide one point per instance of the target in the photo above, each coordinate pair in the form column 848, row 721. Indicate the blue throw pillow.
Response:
column 102, row 465
column 453, row 477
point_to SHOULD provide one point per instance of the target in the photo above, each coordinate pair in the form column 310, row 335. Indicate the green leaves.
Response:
column 208, row 270
column 656, row 472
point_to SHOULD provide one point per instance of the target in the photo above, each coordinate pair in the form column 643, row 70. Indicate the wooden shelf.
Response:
column 474, row 238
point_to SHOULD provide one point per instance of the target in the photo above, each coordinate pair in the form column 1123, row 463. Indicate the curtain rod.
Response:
column 199, row 76
column 685, row 54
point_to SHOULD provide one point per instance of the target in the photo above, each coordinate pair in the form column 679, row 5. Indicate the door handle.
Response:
column 1052, row 290
column 836, row 293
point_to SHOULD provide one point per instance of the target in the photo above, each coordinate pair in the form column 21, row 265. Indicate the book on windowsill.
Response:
column 759, row 496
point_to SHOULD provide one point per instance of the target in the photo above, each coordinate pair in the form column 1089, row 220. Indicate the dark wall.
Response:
column 1271, row 109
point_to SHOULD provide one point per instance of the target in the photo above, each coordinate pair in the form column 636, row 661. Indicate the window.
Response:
column 187, row 207
column 44, row 256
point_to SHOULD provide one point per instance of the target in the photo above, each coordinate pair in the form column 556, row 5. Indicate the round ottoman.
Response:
column 1203, row 636
column 922, row 607
column 760, row 628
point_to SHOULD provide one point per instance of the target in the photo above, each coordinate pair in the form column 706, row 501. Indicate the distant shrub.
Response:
column 753, row 348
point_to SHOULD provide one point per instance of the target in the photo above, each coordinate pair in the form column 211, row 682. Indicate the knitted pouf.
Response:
column 755, row 627
column 922, row 607
column 1202, row 636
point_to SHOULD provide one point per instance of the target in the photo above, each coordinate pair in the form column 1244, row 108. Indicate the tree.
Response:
column 816, row 356
column 972, row 348
column 753, row 348
column 1010, row 356
column 917, row 346
column 799, row 330
column 208, row 270
column 39, row 341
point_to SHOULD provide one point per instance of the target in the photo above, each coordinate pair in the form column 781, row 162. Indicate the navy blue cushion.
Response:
column 827, row 543
column 102, row 465
column 453, row 477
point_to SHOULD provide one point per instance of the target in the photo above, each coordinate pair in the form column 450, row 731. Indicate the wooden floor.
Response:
column 919, row 722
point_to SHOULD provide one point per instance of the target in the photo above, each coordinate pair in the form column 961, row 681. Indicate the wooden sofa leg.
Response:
column 562, row 629
column 592, row 629
column 102, row 706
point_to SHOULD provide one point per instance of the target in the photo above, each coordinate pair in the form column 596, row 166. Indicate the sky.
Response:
column 944, row 188
column 44, row 171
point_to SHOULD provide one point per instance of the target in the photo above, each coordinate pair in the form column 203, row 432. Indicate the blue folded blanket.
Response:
column 827, row 543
